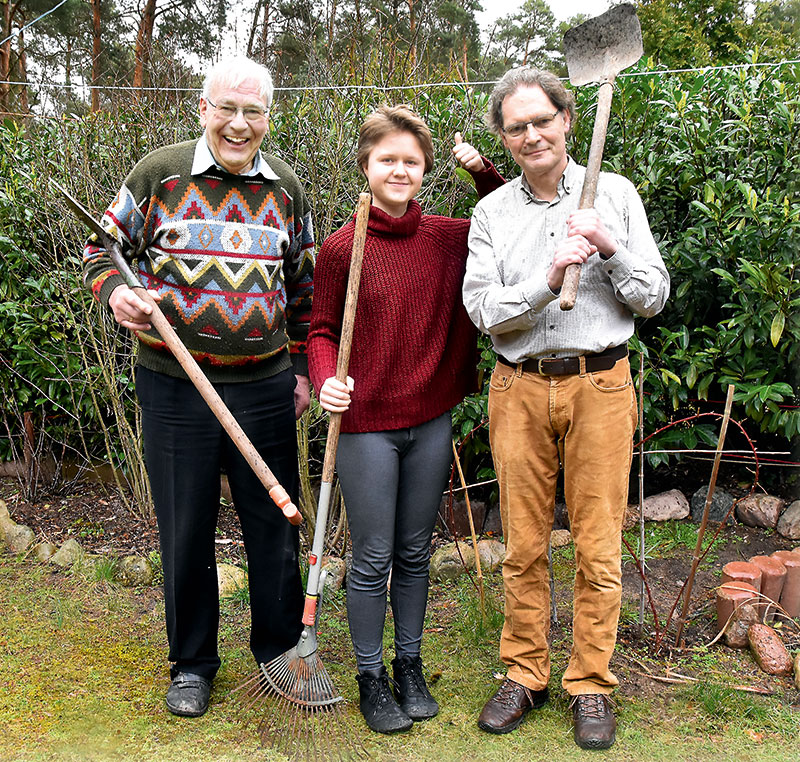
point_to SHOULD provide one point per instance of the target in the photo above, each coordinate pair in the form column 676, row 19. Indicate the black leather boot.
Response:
column 378, row 705
column 412, row 693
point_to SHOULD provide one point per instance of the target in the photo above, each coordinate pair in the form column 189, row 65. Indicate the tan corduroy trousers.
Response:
column 585, row 423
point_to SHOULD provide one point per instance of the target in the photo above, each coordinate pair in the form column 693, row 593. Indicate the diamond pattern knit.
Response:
column 231, row 255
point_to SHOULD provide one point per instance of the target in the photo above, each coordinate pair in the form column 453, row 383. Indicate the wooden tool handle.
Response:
column 335, row 422
column 278, row 494
column 572, row 275
column 348, row 322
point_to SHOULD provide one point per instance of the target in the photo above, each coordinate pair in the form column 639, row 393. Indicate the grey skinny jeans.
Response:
column 392, row 483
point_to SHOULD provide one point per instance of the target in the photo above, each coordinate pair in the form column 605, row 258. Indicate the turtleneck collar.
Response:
column 382, row 224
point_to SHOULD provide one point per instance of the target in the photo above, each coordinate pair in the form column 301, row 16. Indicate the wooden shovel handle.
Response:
column 278, row 494
column 572, row 275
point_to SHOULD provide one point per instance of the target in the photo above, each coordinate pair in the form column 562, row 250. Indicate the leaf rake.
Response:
column 304, row 715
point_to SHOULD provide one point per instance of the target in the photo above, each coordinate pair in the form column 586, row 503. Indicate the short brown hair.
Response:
column 526, row 76
column 387, row 119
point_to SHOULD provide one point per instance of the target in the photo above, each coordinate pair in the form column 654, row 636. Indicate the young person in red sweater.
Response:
column 413, row 359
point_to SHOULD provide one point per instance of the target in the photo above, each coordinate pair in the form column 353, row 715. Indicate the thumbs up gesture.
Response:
column 466, row 155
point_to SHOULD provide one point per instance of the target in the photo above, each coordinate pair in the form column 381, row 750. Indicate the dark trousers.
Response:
column 392, row 482
column 185, row 448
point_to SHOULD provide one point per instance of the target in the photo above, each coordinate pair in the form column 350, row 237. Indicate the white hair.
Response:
column 231, row 72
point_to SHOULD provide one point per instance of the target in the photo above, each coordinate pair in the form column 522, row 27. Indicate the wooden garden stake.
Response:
column 711, row 485
column 478, row 569
column 642, row 589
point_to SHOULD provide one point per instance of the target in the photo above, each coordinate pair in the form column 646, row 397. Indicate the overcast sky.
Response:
column 562, row 9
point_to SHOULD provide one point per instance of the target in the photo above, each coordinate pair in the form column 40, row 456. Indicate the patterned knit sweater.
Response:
column 414, row 347
column 231, row 255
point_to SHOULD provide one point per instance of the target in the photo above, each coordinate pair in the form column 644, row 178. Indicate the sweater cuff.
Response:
column 107, row 286
column 299, row 363
column 487, row 179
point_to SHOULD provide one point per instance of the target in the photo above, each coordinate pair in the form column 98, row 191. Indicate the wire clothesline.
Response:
column 17, row 32
column 415, row 86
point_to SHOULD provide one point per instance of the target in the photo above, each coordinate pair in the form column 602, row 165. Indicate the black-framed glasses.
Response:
column 229, row 111
column 539, row 123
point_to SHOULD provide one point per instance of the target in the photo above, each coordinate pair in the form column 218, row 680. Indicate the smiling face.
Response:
column 395, row 168
column 234, row 141
column 542, row 155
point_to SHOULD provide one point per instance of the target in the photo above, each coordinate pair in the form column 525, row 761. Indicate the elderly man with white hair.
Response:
column 220, row 233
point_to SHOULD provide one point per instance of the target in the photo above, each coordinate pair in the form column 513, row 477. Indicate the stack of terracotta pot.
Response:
column 754, row 584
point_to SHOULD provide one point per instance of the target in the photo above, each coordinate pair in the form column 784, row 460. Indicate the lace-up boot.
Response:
column 595, row 726
column 411, row 690
column 505, row 710
column 378, row 704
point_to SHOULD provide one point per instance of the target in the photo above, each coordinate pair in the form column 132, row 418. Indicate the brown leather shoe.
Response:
column 505, row 710
column 595, row 726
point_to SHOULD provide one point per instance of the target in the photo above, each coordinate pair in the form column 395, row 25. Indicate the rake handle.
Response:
column 335, row 422
column 572, row 275
column 207, row 391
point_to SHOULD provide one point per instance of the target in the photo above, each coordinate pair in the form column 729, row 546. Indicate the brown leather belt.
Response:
column 570, row 366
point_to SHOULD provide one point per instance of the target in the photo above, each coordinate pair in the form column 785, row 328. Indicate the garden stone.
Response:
column 789, row 522
column 67, row 554
column 492, row 553
column 721, row 503
column 560, row 538
column 18, row 537
column 44, row 551
column 631, row 516
column 447, row 564
column 337, row 569
column 134, row 571
column 768, row 649
column 797, row 671
column 4, row 514
column 230, row 578
column 671, row 505
column 736, row 633
column 762, row 511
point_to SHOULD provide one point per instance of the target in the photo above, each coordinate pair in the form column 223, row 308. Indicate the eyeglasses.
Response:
column 228, row 111
column 540, row 124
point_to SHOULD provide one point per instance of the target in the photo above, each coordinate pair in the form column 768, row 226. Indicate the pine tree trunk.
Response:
column 95, row 55
column 144, row 43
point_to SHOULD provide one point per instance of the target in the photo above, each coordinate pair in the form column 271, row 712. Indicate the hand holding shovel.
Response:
column 596, row 51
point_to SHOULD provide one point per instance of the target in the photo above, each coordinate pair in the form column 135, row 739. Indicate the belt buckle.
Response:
column 539, row 369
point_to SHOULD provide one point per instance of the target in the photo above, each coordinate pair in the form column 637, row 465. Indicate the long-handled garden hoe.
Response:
column 278, row 494
column 297, row 679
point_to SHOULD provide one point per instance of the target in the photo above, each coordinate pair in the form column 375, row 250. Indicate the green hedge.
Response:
column 710, row 152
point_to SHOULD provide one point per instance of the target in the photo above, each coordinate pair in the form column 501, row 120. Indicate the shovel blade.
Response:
column 600, row 48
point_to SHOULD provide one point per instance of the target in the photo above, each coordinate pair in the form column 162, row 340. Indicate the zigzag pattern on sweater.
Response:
column 225, row 249
column 191, row 303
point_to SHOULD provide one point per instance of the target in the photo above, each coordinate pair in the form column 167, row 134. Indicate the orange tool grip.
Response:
column 281, row 498
column 310, row 611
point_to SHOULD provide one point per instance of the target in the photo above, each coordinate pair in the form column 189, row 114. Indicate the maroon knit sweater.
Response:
column 414, row 347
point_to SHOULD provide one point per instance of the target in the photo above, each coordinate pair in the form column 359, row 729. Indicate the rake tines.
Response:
column 304, row 715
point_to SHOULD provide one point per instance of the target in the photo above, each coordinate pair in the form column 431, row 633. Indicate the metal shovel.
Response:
column 596, row 51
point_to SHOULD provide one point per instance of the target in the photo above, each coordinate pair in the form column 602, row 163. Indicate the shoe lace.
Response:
column 507, row 693
column 383, row 692
column 591, row 706
column 412, row 671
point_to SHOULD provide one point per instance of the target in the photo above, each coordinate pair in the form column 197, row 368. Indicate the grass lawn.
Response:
column 83, row 677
